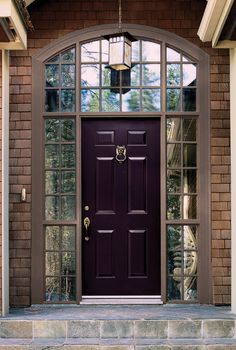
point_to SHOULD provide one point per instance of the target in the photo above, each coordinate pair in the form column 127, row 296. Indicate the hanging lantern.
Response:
column 120, row 47
column 120, row 50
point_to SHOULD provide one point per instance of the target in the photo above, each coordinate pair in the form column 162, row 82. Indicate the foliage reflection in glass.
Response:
column 60, row 264
column 60, row 74
column 60, row 175
column 151, row 100
column 182, row 262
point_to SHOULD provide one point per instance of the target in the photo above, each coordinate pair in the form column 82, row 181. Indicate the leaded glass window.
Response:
column 181, row 203
column 60, row 82
column 60, row 206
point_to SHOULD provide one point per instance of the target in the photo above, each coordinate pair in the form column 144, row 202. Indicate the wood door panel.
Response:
column 137, row 185
column 122, row 256
column 137, row 253
column 104, row 256
column 105, row 185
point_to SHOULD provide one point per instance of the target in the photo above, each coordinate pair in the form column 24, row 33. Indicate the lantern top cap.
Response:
column 116, row 35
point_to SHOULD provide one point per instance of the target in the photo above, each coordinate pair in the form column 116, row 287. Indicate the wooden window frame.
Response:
column 38, row 116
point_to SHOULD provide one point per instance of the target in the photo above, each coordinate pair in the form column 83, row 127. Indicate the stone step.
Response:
column 53, row 344
column 68, row 334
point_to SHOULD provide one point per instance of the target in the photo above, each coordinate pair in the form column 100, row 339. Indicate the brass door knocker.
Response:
column 120, row 153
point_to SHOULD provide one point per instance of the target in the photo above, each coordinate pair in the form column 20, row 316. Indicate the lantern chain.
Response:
column 120, row 17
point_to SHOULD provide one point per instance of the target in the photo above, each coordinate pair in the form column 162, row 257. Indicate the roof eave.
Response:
column 213, row 20
column 16, row 27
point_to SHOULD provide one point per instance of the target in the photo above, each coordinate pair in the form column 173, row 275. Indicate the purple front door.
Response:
column 121, row 197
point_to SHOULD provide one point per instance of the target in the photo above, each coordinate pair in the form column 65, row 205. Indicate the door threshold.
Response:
column 121, row 300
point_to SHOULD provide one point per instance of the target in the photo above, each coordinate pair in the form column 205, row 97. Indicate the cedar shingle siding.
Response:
column 53, row 19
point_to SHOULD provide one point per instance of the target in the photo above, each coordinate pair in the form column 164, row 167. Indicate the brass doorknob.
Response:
column 86, row 225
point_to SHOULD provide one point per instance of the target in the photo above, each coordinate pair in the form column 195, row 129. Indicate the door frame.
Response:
column 38, row 113
column 162, row 202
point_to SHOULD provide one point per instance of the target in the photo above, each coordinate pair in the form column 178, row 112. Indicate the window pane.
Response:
column 111, row 100
column 173, row 181
column 52, row 75
column 68, row 100
column 173, row 100
column 68, row 75
column 190, row 181
column 190, row 207
column 175, row 261
column 52, row 264
column 53, row 59
column 52, row 182
column 68, row 207
column 135, row 76
column 151, row 100
column 52, row 130
column 52, row 208
column 173, row 74
column 107, row 78
column 189, row 155
column 174, row 155
column 172, row 55
column 90, row 100
column 190, row 263
column 173, row 129
column 136, row 51
column 173, row 207
column 52, row 289
column 189, row 75
column 68, row 156
column 68, row 263
column 150, row 51
column 190, row 288
column 89, row 75
column 105, row 50
column 189, row 99
column 52, row 100
column 90, row 52
column 190, row 237
column 131, row 101
column 52, row 238
column 189, row 129
column 68, row 238
column 68, row 289
column 68, row 130
column 68, row 182
column 151, row 74
column 174, row 237
column 52, row 156
column 174, row 288
column 68, row 56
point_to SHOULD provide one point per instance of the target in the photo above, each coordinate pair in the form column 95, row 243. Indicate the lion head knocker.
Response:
column 120, row 153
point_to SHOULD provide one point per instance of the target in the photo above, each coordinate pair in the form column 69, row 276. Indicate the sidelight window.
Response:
column 60, row 208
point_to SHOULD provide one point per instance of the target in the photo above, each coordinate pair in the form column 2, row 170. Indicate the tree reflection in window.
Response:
column 107, row 90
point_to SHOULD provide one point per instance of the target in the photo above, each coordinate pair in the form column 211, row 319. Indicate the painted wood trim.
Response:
column 5, row 182
column 221, row 22
column 210, row 19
